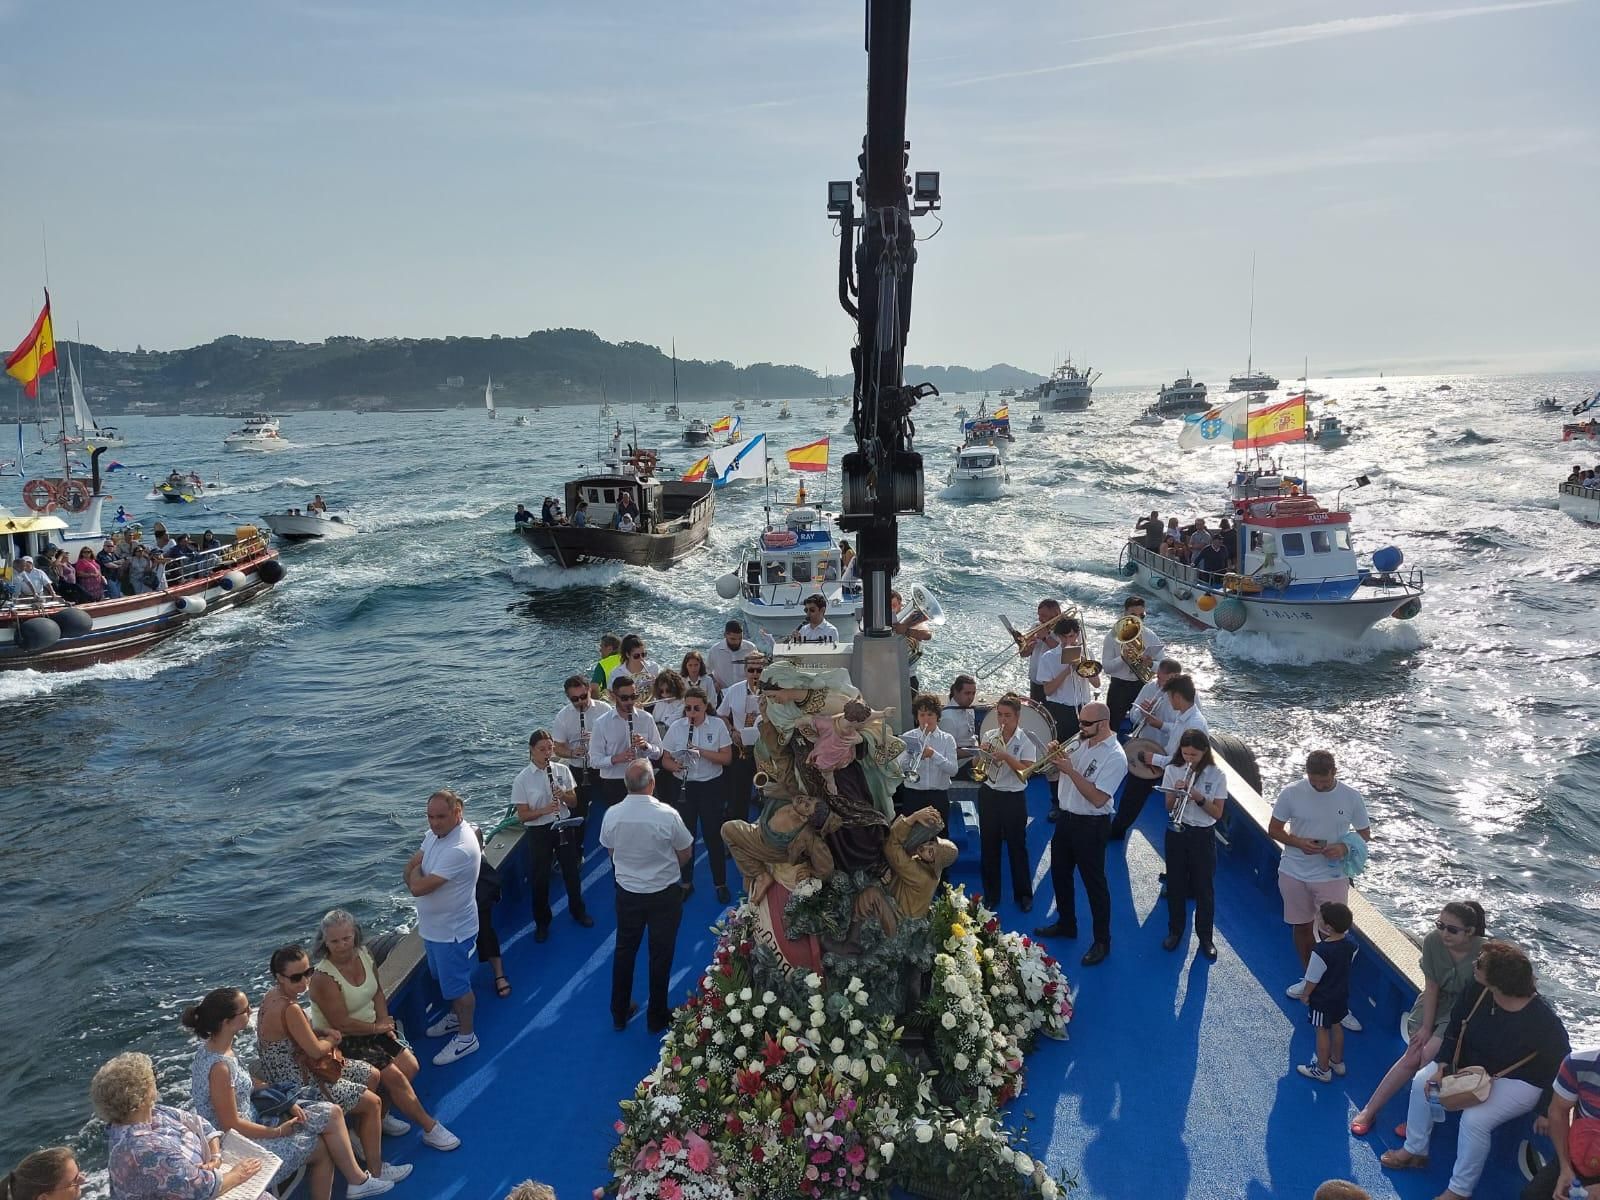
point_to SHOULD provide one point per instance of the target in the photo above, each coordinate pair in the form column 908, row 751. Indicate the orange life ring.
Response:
column 40, row 494
column 75, row 495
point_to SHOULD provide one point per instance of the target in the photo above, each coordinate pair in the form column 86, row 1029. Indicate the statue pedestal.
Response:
column 804, row 954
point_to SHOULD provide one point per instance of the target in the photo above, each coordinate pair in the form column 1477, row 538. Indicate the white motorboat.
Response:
column 673, row 413
column 961, row 412
column 521, row 420
column 1036, row 424
column 259, row 433
column 696, row 433
column 1329, row 432
column 1148, row 417
column 1578, row 501
column 783, row 413
column 785, row 566
column 1182, row 395
column 1068, row 389
column 295, row 525
column 979, row 473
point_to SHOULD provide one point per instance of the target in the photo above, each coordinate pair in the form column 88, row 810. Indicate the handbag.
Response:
column 273, row 1102
column 326, row 1069
column 1470, row 1087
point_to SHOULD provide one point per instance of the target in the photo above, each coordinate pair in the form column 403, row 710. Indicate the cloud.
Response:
column 1268, row 39
column 1122, row 33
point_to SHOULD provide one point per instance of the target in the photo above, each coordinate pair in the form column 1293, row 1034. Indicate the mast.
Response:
column 674, row 371
column 1250, row 344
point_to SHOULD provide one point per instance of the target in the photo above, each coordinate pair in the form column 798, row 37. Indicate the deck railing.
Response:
column 1411, row 580
column 1581, row 492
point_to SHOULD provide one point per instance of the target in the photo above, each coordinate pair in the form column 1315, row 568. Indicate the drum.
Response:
column 1034, row 719
column 1132, row 748
column 569, row 831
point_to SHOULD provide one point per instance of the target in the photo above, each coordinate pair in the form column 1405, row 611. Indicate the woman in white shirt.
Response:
column 693, row 670
column 667, row 708
column 1196, row 791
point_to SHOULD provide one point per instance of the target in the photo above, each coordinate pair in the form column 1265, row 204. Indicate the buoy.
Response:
column 191, row 606
column 728, row 585
column 74, row 622
column 75, row 495
column 1184, row 594
column 1130, row 569
column 39, row 494
column 1409, row 609
column 1230, row 615
column 1388, row 559
column 38, row 633
column 232, row 581
column 271, row 571
column 1206, row 602
column 1158, row 582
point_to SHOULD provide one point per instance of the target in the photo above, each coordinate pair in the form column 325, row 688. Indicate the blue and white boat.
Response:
column 785, row 566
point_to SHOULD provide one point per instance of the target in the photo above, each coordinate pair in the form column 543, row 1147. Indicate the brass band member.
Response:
column 1003, row 807
column 572, row 730
column 1179, row 692
column 1151, row 712
column 698, row 747
column 1125, row 683
column 914, row 632
column 636, row 664
column 1066, row 691
column 543, row 793
column 1195, row 791
column 930, row 755
column 741, row 711
column 960, row 720
column 620, row 737
column 1035, row 648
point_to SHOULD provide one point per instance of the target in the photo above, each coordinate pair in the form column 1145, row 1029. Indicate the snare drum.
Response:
column 1034, row 720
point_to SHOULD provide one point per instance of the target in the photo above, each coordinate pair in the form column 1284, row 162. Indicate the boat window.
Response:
column 776, row 571
column 611, row 495
column 1341, row 538
column 1321, row 543
column 1294, row 543
column 594, row 495
column 802, row 569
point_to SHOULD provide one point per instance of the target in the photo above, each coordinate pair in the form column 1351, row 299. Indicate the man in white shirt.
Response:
column 725, row 659
column 741, row 710
column 1186, row 715
column 1086, row 797
column 1065, row 691
column 620, row 737
column 649, row 845
column 543, row 793
column 31, row 584
column 1124, row 681
column 572, row 731
column 443, row 876
column 1003, row 806
column 1150, row 708
column 1035, row 650
column 697, row 748
column 1311, row 817
column 816, row 627
column 960, row 720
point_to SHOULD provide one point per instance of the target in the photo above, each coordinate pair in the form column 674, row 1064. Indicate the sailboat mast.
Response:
column 1250, row 344
column 674, row 370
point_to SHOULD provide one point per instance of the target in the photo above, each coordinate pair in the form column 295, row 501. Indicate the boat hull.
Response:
column 1582, row 503
column 254, row 446
column 696, row 438
column 299, row 527
column 1068, row 403
column 578, row 546
column 977, row 487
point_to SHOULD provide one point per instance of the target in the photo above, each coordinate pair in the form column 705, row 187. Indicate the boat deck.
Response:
column 1177, row 1080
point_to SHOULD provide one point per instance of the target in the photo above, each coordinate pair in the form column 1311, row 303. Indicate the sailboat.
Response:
column 1252, row 380
column 90, row 433
column 488, row 397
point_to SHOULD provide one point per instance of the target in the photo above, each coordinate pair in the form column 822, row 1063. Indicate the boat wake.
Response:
column 1471, row 437
column 405, row 518
column 549, row 577
column 1392, row 638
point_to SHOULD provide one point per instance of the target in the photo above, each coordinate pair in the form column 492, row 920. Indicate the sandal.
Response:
column 1361, row 1126
column 502, row 986
column 1403, row 1160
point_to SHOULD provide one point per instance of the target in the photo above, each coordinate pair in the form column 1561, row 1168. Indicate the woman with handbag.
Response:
column 1498, row 1059
column 295, row 1054
column 347, row 997
column 1448, row 954
column 310, row 1134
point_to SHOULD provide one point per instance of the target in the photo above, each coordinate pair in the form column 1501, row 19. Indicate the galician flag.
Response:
column 740, row 460
column 37, row 354
column 1215, row 427
column 1283, row 422
column 813, row 456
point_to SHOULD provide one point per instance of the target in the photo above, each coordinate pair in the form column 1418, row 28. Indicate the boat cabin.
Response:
column 1294, row 540
column 27, row 534
column 798, row 559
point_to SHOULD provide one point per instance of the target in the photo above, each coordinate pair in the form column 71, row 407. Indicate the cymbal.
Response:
column 1132, row 747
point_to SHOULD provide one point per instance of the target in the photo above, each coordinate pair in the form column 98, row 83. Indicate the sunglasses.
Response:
column 623, row 695
column 1446, row 927
column 752, row 670
column 299, row 976
column 1087, row 724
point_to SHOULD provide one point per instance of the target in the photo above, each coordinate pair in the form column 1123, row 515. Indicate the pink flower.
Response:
column 671, row 1145
column 671, row 1190
column 855, row 1154
column 811, row 1172
column 699, row 1154
column 618, row 1126
column 820, row 1156
column 650, row 1157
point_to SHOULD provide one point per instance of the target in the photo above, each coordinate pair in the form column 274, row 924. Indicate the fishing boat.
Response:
column 674, row 518
column 784, row 566
column 1329, row 432
column 1589, row 430
column 1007, row 393
column 696, row 433
column 1036, row 424
column 961, row 413
column 1182, row 395
column 978, row 473
column 297, row 525
column 1297, row 576
column 1148, row 416
column 1550, row 405
column 783, row 413
column 1578, row 501
column 488, row 397
column 259, row 434
column 1068, row 389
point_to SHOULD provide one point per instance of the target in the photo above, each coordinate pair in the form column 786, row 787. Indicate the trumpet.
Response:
column 985, row 757
column 1130, row 645
column 1183, row 793
column 1052, row 756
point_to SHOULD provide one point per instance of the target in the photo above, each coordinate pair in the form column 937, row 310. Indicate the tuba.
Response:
column 1131, row 646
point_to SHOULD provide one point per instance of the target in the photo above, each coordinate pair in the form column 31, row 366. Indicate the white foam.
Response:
column 1391, row 637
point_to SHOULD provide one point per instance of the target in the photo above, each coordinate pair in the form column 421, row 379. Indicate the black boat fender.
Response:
column 73, row 622
column 1238, row 756
column 38, row 633
column 271, row 571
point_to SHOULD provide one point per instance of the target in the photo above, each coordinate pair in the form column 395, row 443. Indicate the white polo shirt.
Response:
column 727, row 666
column 572, row 725
column 710, row 734
column 933, row 774
column 449, row 913
column 1104, row 765
column 1116, row 665
column 1036, row 656
column 1074, row 690
column 808, row 633
column 531, row 787
column 1210, row 783
column 664, row 712
column 647, row 675
column 739, row 702
column 1322, row 816
column 1002, row 778
column 961, row 724
column 707, row 685
column 612, row 735
column 1160, row 706
column 644, row 837
column 1174, row 729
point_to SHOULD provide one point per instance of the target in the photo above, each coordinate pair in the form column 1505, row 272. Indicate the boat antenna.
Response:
column 1250, row 344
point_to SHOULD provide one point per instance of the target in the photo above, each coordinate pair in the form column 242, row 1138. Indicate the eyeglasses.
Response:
column 752, row 670
column 628, row 696
column 1446, row 927
column 298, row 976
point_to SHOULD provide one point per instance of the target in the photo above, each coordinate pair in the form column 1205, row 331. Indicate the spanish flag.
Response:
column 1003, row 413
column 1285, row 422
column 722, row 425
column 813, row 456
column 697, row 472
column 37, row 354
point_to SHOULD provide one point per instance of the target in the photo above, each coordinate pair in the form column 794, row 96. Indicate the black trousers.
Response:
column 660, row 913
column 1003, row 821
column 1066, row 718
column 1120, row 698
column 1036, row 692
column 544, row 849
column 909, row 800
column 1134, row 793
column 1079, row 844
column 706, row 805
column 740, row 774
column 1192, row 875
column 606, row 793
column 669, row 789
column 1543, row 1185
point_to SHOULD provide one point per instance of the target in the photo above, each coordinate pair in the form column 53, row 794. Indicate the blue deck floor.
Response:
column 1177, row 1081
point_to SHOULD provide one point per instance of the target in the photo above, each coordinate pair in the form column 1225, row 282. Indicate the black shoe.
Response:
column 1210, row 951
column 1053, row 815
column 723, row 895
column 1056, row 930
column 1097, row 954
column 542, row 934
column 620, row 1024
column 656, row 1027
column 1170, row 942
column 688, row 889
column 584, row 919
column 1026, row 905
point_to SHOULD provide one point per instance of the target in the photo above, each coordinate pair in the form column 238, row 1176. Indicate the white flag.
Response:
column 741, row 460
column 1217, row 426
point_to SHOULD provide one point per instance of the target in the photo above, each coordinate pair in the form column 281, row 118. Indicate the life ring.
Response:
column 780, row 539
column 40, row 494
column 75, row 495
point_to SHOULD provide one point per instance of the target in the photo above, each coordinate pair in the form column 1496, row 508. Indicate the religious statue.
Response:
column 785, row 845
column 916, row 858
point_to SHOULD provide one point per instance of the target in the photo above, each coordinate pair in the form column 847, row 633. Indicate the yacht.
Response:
column 696, row 433
column 1182, row 395
column 259, row 433
column 979, row 473
column 1252, row 381
column 1068, row 389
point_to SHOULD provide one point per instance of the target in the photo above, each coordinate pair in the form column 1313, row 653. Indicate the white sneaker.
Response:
column 394, row 1126
column 448, row 1023
column 1337, row 1068
column 1311, row 1071
column 1350, row 1022
column 394, row 1172
column 440, row 1138
column 457, row 1047
column 1294, row 992
column 371, row 1186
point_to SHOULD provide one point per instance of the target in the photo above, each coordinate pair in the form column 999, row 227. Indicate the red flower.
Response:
column 757, row 1154
column 786, row 1126
column 748, row 1083
column 992, row 925
column 772, row 1052
column 734, row 1124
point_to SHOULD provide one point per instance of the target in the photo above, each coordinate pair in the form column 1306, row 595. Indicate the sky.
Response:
column 1418, row 184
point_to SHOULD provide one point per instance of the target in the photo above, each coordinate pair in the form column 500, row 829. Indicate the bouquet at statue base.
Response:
column 776, row 1082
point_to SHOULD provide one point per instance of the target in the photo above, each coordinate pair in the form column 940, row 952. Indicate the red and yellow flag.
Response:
column 722, row 425
column 1284, row 422
column 697, row 472
column 813, row 456
column 37, row 354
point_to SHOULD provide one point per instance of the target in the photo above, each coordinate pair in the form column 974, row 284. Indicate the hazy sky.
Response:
column 1419, row 182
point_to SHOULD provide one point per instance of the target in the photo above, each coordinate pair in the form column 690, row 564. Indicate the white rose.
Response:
column 818, row 1020
column 1007, row 1154
column 814, row 981
column 747, row 1030
column 858, row 1070
column 790, row 1042
column 887, row 1150
column 891, row 1080
column 718, row 1038
column 806, row 1065
column 924, row 1134
column 769, row 998
column 788, row 1083
column 961, row 1062
column 784, row 1014
column 816, row 1002
column 967, row 1006
column 877, row 1062
column 855, row 984
column 747, row 994
column 1023, row 1164
column 856, row 1027
column 759, row 1011
column 697, row 1061
column 741, row 1052
column 948, row 1020
column 836, row 1045
column 706, row 1022
column 733, row 1016
column 951, row 1142
column 1048, row 1188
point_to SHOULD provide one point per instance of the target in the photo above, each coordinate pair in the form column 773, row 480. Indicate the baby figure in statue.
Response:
column 835, row 739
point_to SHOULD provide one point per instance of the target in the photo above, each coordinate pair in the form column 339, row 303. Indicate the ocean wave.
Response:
column 1471, row 437
column 549, row 577
column 1388, row 638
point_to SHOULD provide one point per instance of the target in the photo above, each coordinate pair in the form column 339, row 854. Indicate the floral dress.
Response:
column 295, row 1149
column 160, row 1159
column 279, row 1065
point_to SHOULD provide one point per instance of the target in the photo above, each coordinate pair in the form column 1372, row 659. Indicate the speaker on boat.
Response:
column 271, row 571
column 1409, row 609
column 191, row 606
column 74, row 622
column 1238, row 756
column 1230, row 614
column 1388, row 559
column 232, row 581
column 728, row 585
column 38, row 633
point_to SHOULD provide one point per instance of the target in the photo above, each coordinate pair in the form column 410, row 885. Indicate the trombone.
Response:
column 1052, row 756
column 1019, row 639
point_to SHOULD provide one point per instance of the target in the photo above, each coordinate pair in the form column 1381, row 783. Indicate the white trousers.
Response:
column 1508, row 1098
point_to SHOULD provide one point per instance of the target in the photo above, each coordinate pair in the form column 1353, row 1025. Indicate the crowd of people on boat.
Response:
column 1213, row 551
column 123, row 566
column 1584, row 477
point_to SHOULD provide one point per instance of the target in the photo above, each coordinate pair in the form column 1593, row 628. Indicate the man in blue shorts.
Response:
column 443, row 876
